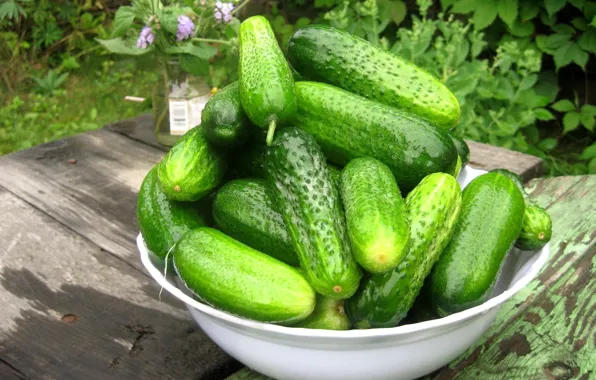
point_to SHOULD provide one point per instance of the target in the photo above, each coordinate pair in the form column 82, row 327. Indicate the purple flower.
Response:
column 186, row 28
column 145, row 38
column 223, row 11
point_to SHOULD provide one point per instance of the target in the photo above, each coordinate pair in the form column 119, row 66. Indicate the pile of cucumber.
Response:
column 331, row 202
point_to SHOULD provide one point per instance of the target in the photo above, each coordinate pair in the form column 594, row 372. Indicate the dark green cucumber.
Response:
column 329, row 314
column 490, row 221
column 162, row 221
column 458, row 167
column 536, row 229
column 191, row 169
column 308, row 200
column 266, row 80
column 462, row 149
column 347, row 126
column 325, row 54
column 241, row 280
column 383, row 300
column 516, row 179
column 243, row 209
column 224, row 120
column 375, row 215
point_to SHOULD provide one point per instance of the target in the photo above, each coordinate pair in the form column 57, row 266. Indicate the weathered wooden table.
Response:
column 76, row 302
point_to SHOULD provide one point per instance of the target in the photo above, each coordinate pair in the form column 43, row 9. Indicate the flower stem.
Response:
column 211, row 40
column 271, row 132
column 235, row 10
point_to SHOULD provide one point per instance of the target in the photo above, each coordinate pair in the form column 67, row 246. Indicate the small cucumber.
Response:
column 325, row 54
column 224, row 120
column 490, row 221
column 375, row 213
column 348, row 126
column 329, row 314
column 243, row 209
column 162, row 221
column 383, row 300
column 266, row 80
column 463, row 151
column 191, row 169
column 536, row 229
column 308, row 200
column 238, row 279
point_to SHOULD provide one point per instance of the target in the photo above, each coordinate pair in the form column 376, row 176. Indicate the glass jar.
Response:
column 178, row 101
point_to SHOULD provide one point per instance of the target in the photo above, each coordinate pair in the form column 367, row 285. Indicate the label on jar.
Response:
column 186, row 114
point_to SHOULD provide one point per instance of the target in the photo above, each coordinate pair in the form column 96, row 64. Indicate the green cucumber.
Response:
column 490, row 221
column 325, row 54
column 235, row 278
column 516, row 179
column 348, row 126
column 375, row 213
column 457, row 169
column 463, row 150
column 266, row 80
column 308, row 200
column 329, row 314
column 243, row 209
column 191, row 169
column 162, row 221
column 383, row 300
column 224, row 120
column 536, row 229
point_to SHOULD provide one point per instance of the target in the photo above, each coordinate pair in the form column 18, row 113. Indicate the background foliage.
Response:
column 521, row 69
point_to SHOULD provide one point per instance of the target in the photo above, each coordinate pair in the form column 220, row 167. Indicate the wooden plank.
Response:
column 548, row 330
column 482, row 156
column 70, row 311
column 96, row 196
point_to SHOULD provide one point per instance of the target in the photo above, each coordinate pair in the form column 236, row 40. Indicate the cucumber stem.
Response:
column 271, row 132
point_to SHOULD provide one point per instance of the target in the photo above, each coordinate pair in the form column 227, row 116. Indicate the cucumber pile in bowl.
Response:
column 331, row 202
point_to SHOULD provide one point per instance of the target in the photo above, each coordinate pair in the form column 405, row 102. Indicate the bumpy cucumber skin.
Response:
column 226, row 125
column 463, row 150
column 376, row 216
column 433, row 207
column 162, row 221
column 348, row 126
column 490, row 221
column 266, row 81
column 244, row 210
column 309, row 203
column 322, row 53
column 516, row 179
column 329, row 314
column 191, row 169
column 536, row 229
column 241, row 280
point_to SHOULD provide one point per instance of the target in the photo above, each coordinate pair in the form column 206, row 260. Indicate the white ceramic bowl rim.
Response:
column 303, row 332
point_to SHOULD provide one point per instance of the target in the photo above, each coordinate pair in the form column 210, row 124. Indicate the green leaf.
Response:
column 528, row 10
column 543, row 114
column 522, row 29
column 579, row 4
column 563, row 105
column 593, row 23
column 548, row 85
column 202, row 50
column 553, row 6
column 588, row 109
column 70, row 63
column 123, row 21
column 120, row 46
column 507, row 10
column 485, row 15
column 548, row 20
column 551, row 43
column 587, row 121
column 588, row 153
column 446, row 3
column 580, row 23
column 168, row 18
column 532, row 133
column 194, row 65
column 564, row 29
column 528, row 81
column 467, row 6
column 589, row 10
column 398, row 11
column 570, row 52
column 570, row 121
column 592, row 166
column 587, row 40
column 548, row 144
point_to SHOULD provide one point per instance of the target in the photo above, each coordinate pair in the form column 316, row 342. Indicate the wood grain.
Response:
column 96, row 196
column 71, row 311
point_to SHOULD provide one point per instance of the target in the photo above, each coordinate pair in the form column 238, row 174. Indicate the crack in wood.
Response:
column 15, row 371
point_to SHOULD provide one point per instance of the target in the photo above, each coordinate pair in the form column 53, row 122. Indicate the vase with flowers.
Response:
column 183, row 38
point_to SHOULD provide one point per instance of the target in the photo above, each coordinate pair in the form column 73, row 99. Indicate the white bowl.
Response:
column 404, row 352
